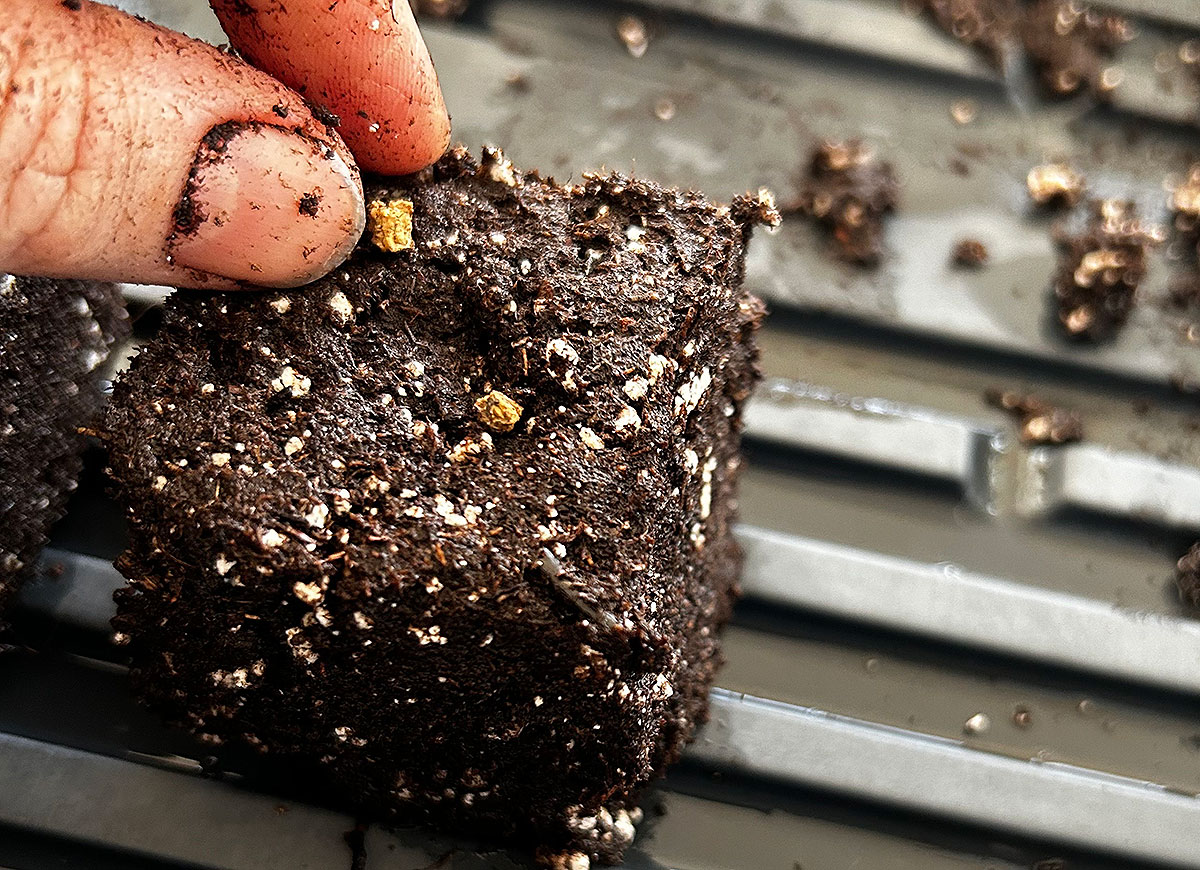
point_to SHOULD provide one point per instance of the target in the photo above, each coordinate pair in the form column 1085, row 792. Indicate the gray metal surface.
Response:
column 816, row 748
column 955, row 650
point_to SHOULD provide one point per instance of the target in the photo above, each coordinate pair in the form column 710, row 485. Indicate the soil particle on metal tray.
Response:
column 963, row 112
column 1067, row 43
column 1040, row 422
column 1185, row 206
column 1055, row 185
column 987, row 25
column 850, row 191
column 1187, row 575
column 969, row 253
column 977, row 724
column 1100, row 269
column 634, row 34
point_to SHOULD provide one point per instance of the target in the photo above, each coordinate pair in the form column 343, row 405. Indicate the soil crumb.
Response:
column 1055, row 185
column 850, row 191
column 1040, row 422
column 969, row 254
column 1068, row 44
column 1100, row 269
column 1187, row 575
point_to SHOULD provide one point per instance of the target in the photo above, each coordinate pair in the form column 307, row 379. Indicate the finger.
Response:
column 128, row 152
column 364, row 60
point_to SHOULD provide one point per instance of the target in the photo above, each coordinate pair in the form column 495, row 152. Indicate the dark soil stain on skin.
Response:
column 310, row 204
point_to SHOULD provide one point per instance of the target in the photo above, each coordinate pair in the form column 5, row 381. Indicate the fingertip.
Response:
column 365, row 60
column 267, row 206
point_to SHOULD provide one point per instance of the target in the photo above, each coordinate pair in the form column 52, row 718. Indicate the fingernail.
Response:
column 267, row 206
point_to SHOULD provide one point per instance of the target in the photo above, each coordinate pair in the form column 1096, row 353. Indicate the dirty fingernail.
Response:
column 266, row 206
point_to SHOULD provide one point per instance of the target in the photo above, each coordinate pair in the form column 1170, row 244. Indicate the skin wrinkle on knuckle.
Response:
column 41, row 132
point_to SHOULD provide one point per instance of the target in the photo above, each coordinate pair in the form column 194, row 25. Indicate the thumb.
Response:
column 128, row 152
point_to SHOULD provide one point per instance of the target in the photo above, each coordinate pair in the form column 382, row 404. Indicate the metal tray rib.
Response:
column 955, row 650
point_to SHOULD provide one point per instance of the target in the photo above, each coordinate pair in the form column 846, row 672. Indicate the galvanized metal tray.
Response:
column 955, row 650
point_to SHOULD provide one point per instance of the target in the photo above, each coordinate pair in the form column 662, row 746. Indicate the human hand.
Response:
column 131, row 153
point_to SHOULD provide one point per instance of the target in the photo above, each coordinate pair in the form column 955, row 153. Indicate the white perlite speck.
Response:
column 426, row 636
column 236, row 679
column 627, row 418
column 502, row 172
column 271, row 538
column 623, row 828
column 223, row 565
column 301, row 648
column 706, row 479
column 309, row 593
column 658, row 364
column 636, row 388
column 220, row 459
column 282, row 304
column 342, row 310
column 318, row 516
column 693, row 391
column 977, row 724
column 590, row 438
column 293, row 445
column 560, row 347
column 290, row 379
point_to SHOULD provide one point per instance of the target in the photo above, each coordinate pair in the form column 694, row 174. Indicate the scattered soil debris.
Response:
column 987, row 25
column 1100, row 269
column 850, row 191
column 977, row 724
column 1185, row 203
column 517, row 81
column 1189, row 55
column 1187, row 575
column 1040, row 422
column 634, row 34
column 1055, row 185
column 969, row 254
column 1185, row 292
column 1067, row 43
column 963, row 112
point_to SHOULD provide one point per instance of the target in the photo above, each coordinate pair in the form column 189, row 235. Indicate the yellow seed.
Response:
column 390, row 224
column 497, row 411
